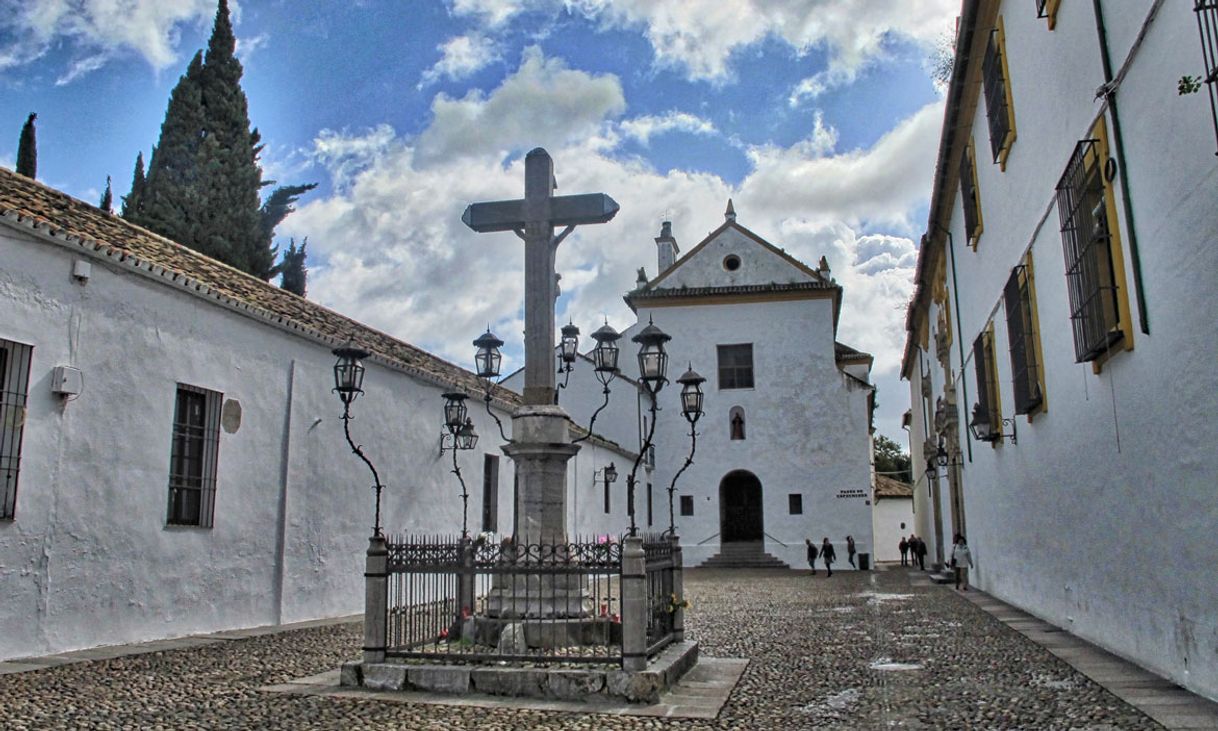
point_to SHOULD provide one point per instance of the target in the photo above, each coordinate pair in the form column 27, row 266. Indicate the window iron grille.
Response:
column 1087, row 242
column 986, row 388
column 997, row 110
column 968, row 196
column 1025, row 370
column 735, row 366
column 1207, row 26
column 14, row 390
column 193, row 457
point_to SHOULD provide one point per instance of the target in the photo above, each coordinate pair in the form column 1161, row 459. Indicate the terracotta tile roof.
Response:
column 885, row 486
column 25, row 202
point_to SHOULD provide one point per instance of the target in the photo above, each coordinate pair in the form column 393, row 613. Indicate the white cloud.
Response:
column 461, row 56
column 98, row 30
column 247, row 47
column 644, row 128
column 543, row 103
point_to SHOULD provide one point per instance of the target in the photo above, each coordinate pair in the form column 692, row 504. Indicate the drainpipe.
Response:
column 1109, row 93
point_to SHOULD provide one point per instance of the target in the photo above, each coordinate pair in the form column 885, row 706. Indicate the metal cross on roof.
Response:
column 533, row 218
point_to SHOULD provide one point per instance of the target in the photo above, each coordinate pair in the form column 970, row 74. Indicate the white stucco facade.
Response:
column 1100, row 516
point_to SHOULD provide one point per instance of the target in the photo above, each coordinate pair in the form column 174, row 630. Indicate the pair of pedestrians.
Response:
column 827, row 554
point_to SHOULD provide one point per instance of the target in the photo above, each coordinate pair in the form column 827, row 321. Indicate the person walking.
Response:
column 920, row 550
column 811, row 555
column 904, row 548
column 828, row 555
column 962, row 561
column 850, row 551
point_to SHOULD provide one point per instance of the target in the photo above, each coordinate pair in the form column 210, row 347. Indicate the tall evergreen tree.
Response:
column 277, row 206
column 133, row 201
column 294, row 275
column 27, row 149
column 107, row 199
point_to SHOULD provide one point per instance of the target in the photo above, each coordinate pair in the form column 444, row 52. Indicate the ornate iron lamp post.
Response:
column 653, row 371
column 691, row 408
column 604, row 358
column 568, row 349
column 460, row 436
column 348, row 384
column 486, row 363
column 984, row 431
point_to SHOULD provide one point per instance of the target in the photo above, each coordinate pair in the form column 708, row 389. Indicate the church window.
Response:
column 490, row 493
column 731, row 262
column 987, row 380
column 795, row 504
column 687, row 505
column 193, row 457
column 998, row 109
column 14, row 388
column 1023, row 335
column 1095, row 270
column 736, row 366
column 968, row 197
column 736, row 417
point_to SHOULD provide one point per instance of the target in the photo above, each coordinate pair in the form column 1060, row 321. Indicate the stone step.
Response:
column 743, row 556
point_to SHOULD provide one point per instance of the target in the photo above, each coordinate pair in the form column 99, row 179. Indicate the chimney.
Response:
column 666, row 246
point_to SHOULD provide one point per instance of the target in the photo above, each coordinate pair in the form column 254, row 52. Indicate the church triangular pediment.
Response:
column 732, row 256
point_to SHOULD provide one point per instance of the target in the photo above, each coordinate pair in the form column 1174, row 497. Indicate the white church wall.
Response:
column 806, row 426
column 705, row 267
column 1111, row 483
column 892, row 518
column 89, row 559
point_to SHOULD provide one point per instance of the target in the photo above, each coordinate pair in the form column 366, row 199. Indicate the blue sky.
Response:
column 818, row 117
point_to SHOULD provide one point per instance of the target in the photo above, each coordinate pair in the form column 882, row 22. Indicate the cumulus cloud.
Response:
column 97, row 30
column 645, row 127
column 461, row 56
column 543, row 103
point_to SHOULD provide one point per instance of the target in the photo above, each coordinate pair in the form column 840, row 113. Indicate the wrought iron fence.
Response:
column 662, row 598
column 461, row 600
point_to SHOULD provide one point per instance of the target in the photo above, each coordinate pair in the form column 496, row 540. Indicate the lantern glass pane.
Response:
column 454, row 413
column 605, row 356
column 653, row 361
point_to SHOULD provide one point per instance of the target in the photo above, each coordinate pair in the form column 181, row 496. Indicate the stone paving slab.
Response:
column 1157, row 697
column 700, row 695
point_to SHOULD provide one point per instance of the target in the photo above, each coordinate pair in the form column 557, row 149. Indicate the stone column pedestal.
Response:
column 678, row 588
column 634, row 605
column 376, row 595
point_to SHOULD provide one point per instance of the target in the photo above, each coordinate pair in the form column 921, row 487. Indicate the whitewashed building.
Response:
column 172, row 459
column 784, row 447
column 1064, row 311
column 892, row 517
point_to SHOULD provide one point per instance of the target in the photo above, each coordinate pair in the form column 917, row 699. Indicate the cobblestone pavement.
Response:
column 855, row 651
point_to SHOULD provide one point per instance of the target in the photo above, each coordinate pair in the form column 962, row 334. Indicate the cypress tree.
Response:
column 277, row 206
column 107, row 199
column 293, row 274
column 27, row 149
column 172, row 201
column 133, row 201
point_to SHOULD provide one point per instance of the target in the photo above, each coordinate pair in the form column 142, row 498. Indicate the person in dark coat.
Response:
column 904, row 546
column 920, row 549
column 828, row 555
column 811, row 555
column 850, row 551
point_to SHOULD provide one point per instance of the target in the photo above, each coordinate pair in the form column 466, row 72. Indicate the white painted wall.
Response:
column 1101, row 519
column 89, row 560
column 892, row 518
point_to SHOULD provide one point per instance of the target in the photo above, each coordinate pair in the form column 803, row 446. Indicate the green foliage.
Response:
column 107, row 199
column 1188, row 85
column 133, row 201
column 891, row 459
column 27, row 149
column 204, row 181
column 294, row 275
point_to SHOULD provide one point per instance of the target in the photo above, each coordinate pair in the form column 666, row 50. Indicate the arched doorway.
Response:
column 740, row 515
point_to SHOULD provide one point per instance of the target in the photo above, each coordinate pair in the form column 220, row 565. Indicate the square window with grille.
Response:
column 490, row 493
column 795, row 504
column 1207, row 26
column 1088, row 243
column 987, row 380
column 687, row 505
column 998, row 110
column 193, row 457
column 1023, row 340
column 736, row 366
column 968, row 196
column 14, row 391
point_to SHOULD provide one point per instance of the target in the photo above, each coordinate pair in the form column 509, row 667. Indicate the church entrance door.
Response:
column 740, row 513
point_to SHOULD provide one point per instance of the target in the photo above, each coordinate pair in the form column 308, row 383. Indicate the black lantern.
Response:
column 980, row 425
column 488, row 358
column 465, row 437
column 611, row 473
column 691, row 394
column 349, row 372
column 604, row 355
column 568, row 345
column 941, row 455
column 454, row 411
column 653, row 361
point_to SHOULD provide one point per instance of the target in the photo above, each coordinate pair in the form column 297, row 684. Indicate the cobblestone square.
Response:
column 855, row 651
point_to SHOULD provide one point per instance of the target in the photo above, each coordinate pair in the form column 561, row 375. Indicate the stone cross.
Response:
column 533, row 218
